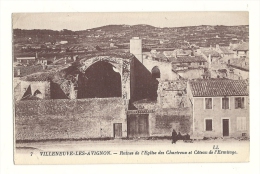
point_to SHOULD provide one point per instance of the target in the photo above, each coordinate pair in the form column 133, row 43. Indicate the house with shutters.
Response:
column 220, row 107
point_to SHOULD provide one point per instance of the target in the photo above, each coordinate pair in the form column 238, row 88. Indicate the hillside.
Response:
column 60, row 42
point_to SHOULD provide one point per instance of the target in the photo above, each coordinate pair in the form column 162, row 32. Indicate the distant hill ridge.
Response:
column 125, row 27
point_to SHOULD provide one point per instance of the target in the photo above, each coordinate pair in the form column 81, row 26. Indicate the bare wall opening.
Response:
column 102, row 81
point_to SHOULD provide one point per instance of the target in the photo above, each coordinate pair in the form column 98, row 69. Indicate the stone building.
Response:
column 241, row 50
column 42, row 61
column 25, row 59
column 220, row 108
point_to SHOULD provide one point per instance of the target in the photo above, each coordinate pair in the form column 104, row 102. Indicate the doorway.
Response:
column 156, row 72
column 225, row 125
column 117, row 130
column 138, row 125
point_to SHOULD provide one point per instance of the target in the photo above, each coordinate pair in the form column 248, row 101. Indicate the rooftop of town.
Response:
column 218, row 87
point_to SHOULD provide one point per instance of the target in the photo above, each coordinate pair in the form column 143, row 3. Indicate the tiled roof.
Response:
column 218, row 87
column 42, row 58
column 168, row 53
column 242, row 63
column 40, row 76
column 187, row 59
column 208, row 52
column 182, row 52
column 242, row 47
column 159, row 56
column 225, row 50
column 46, row 75
column 124, row 55
column 25, row 58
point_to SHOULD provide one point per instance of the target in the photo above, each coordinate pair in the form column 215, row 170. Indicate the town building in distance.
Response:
column 141, row 81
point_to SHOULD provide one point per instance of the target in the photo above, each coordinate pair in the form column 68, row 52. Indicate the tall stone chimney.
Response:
column 136, row 48
column 18, row 72
column 209, row 61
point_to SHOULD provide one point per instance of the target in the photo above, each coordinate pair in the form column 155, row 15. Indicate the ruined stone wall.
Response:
column 68, row 119
column 26, row 70
column 172, row 99
column 126, row 79
column 171, row 110
column 17, row 91
column 172, row 94
column 163, row 121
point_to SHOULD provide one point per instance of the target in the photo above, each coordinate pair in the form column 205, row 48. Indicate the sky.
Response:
column 83, row 21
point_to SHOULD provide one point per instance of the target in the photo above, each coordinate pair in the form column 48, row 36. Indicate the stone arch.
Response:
column 156, row 72
column 119, row 65
column 116, row 62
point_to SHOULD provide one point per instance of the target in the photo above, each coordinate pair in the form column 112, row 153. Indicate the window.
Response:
column 208, row 123
column 239, row 102
column 225, row 103
column 208, row 103
column 241, row 123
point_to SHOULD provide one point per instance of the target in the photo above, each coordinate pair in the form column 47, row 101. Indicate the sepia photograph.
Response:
column 131, row 87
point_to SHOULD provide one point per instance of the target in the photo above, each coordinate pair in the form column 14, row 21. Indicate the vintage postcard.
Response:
column 150, row 87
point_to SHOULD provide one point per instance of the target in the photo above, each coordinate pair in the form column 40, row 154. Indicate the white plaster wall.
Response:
column 164, row 67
